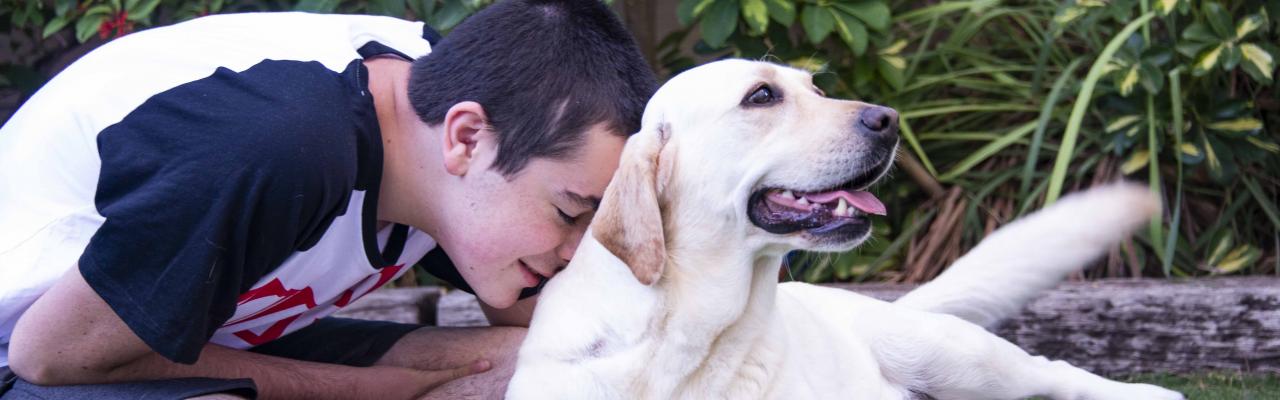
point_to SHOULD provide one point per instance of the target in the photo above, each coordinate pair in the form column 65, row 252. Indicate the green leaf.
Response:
column 851, row 31
column 143, row 12
column 88, row 25
column 1264, row 144
column 894, row 48
column 1166, row 6
column 1230, row 56
column 56, row 24
column 1198, row 32
column 1240, row 257
column 1217, row 169
column 874, row 13
column 1238, row 125
column 1190, row 153
column 1207, row 60
column 818, row 22
column 394, row 8
column 1135, row 162
column 1127, row 79
column 1219, row 19
column 62, row 6
column 1066, row 15
column 1268, row 205
column 756, row 13
column 1250, row 24
column 719, row 22
column 449, row 15
column 1122, row 123
column 893, row 69
column 1220, row 249
column 684, row 11
column 782, row 11
column 316, row 6
column 1257, row 62
column 1152, row 79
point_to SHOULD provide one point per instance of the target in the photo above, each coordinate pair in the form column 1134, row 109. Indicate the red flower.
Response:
column 119, row 23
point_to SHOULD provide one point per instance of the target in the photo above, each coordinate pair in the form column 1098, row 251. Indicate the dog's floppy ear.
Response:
column 629, row 222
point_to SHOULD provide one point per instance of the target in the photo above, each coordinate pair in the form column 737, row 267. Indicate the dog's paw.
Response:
column 1135, row 391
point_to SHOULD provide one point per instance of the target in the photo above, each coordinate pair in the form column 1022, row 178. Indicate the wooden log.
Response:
column 413, row 305
column 1112, row 327
column 1121, row 327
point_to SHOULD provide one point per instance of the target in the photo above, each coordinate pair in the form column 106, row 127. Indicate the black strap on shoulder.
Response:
column 431, row 35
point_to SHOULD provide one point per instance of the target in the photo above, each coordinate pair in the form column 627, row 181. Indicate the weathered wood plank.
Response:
column 1112, row 327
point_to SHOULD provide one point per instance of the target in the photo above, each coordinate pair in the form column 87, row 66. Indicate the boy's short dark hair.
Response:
column 545, row 71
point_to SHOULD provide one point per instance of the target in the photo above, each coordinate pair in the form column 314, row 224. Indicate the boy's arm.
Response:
column 519, row 314
column 71, row 336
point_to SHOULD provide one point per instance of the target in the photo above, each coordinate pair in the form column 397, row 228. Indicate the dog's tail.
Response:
column 1023, row 259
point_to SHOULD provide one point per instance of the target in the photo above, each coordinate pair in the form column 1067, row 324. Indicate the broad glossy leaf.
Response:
column 892, row 69
column 874, row 13
column 1135, row 162
column 1126, row 80
column 851, row 31
column 894, row 48
column 719, row 22
column 1167, row 6
column 56, row 24
column 1190, row 154
column 1237, row 259
column 1257, row 62
column 142, row 11
column 1151, row 78
column 756, row 13
column 818, row 22
column 1230, row 56
column 1207, row 60
column 783, row 11
column 1219, row 19
column 688, row 10
column 1199, row 32
column 1249, row 24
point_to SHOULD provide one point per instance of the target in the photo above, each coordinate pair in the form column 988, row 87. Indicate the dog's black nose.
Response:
column 878, row 120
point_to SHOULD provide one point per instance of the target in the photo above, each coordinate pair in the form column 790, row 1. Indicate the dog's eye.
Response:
column 762, row 96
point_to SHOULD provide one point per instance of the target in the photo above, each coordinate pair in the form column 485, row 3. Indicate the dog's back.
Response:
column 1031, row 255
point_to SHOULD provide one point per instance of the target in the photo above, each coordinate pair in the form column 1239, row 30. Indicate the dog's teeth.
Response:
column 842, row 207
column 802, row 201
column 788, row 194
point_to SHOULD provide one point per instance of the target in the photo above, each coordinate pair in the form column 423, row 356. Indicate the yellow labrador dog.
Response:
column 673, row 292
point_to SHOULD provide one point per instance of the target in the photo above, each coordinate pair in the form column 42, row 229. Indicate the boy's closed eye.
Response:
column 577, row 205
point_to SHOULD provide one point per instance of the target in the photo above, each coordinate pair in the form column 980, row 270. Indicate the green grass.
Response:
column 1217, row 385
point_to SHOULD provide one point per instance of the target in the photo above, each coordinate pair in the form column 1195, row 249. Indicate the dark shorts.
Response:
column 344, row 341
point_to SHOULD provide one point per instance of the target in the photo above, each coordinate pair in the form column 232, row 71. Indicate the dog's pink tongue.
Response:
column 864, row 201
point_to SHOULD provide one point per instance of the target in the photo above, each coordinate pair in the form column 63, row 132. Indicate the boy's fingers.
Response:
column 434, row 378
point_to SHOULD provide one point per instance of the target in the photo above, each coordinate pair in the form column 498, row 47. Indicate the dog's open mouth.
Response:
column 840, row 210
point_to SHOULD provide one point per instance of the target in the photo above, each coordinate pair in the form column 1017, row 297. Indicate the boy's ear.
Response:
column 463, row 124
column 629, row 222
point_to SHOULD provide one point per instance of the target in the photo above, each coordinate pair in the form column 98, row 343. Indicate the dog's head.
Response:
column 753, row 147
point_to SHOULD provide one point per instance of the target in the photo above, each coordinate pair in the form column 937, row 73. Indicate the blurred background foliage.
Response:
column 1005, row 105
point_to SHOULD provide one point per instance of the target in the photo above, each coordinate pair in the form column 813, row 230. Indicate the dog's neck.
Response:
column 726, row 301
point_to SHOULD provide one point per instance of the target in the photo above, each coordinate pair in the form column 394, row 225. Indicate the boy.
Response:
column 185, row 194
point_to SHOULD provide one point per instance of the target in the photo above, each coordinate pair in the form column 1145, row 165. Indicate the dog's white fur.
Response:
column 673, row 292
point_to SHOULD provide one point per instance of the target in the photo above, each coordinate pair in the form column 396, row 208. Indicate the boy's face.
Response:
column 507, row 235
